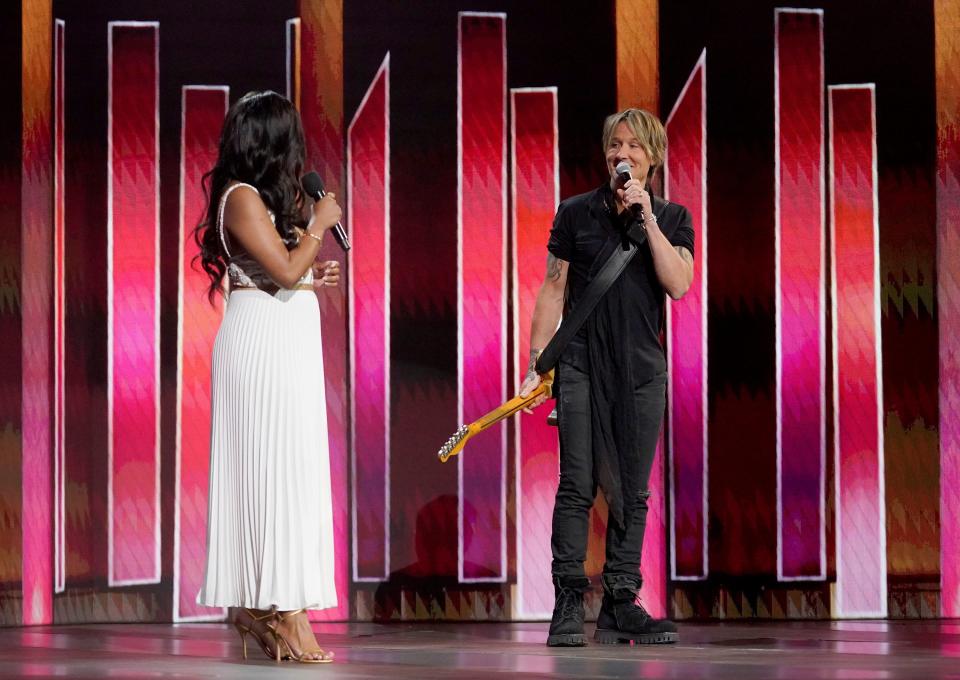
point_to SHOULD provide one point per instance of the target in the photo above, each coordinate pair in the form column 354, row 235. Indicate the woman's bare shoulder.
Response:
column 243, row 203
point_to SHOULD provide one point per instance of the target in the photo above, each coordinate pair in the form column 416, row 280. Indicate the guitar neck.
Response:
column 509, row 408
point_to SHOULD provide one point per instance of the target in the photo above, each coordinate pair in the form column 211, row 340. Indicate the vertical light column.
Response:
column 368, row 205
column 133, row 302
column 59, row 308
column 861, row 541
column 37, row 335
column 320, row 93
column 686, row 179
column 202, row 109
column 947, row 63
column 638, row 54
column 535, row 191
column 800, row 323
column 482, row 289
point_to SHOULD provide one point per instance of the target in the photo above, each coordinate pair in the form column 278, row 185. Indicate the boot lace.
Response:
column 568, row 604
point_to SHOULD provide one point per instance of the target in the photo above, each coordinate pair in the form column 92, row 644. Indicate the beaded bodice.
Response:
column 242, row 270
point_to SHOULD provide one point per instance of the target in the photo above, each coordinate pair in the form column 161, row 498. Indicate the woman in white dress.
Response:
column 269, row 522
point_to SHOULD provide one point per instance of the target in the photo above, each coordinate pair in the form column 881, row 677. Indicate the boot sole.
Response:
column 567, row 640
column 616, row 637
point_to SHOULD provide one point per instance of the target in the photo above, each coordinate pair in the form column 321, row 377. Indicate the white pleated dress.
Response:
column 270, row 516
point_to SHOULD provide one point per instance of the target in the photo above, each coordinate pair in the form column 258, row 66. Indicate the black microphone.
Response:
column 313, row 185
column 624, row 176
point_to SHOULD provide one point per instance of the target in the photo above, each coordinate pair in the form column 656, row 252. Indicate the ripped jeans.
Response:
column 578, row 486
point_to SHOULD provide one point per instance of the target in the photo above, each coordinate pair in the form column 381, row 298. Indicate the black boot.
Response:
column 621, row 619
column 566, row 627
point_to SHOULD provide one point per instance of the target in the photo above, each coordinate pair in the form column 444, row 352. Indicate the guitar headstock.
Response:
column 454, row 444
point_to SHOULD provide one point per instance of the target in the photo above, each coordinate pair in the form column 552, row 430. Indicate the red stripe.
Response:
column 203, row 113
column 482, row 92
column 134, row 311
column 861, row 524
column 535, row 193
column 59, row 320
column 369, row 281
column 685, row 180
column 800, row 294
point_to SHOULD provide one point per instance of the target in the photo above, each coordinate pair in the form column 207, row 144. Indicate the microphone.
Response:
column 624, row 176
column 313, row 186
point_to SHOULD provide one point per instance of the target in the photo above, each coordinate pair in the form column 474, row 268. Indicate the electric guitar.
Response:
column 459, row 438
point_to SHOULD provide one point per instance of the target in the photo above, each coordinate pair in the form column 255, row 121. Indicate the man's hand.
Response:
column 530, row 382
column 633, row 194
column 532, row 379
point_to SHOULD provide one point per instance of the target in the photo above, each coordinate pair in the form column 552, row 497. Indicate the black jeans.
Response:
column 578, row 485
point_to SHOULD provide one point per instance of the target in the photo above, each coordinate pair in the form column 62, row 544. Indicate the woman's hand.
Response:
column 326, row 213
column 326, row 273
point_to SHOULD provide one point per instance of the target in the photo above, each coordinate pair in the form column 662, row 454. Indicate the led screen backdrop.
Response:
column 808, row 465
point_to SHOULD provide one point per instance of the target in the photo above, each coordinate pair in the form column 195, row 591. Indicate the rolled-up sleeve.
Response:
column 561, row 240
column 683, row 235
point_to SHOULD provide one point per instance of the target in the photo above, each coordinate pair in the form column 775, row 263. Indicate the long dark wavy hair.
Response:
column 261, row 144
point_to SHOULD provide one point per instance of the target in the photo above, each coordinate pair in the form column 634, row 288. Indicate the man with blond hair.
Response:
column 611, row 377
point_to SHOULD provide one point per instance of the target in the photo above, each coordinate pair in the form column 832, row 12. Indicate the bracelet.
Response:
column 650, row 218
column 314, row 236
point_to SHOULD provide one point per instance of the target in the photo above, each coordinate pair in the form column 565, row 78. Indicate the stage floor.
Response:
column 742, row 651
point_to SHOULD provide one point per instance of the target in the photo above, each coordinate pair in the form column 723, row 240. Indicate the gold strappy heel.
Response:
column 284, row 642
column 247, row 628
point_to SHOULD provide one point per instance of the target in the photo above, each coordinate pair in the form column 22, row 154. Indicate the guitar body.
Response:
column 454, row 445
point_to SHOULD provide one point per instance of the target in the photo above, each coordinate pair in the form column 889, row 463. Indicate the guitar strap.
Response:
column 615, row 264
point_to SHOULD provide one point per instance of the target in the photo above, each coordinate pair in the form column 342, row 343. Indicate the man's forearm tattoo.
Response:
column 685, row 255
column 532, row 365
column 553, row 267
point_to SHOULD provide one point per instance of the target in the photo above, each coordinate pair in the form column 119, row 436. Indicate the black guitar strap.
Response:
column 615, row 264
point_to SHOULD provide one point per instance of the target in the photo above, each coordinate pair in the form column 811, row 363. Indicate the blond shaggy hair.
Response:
column 646, row 127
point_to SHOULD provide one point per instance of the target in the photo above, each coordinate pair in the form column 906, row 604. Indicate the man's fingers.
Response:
column 534, row 404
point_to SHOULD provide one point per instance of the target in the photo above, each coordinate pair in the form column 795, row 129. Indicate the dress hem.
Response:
column 281, row 606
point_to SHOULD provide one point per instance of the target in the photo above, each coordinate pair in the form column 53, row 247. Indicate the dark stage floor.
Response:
column 742, row 651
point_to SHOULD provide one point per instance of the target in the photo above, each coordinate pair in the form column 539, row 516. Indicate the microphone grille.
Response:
column 623, row 168
column 312, row 184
